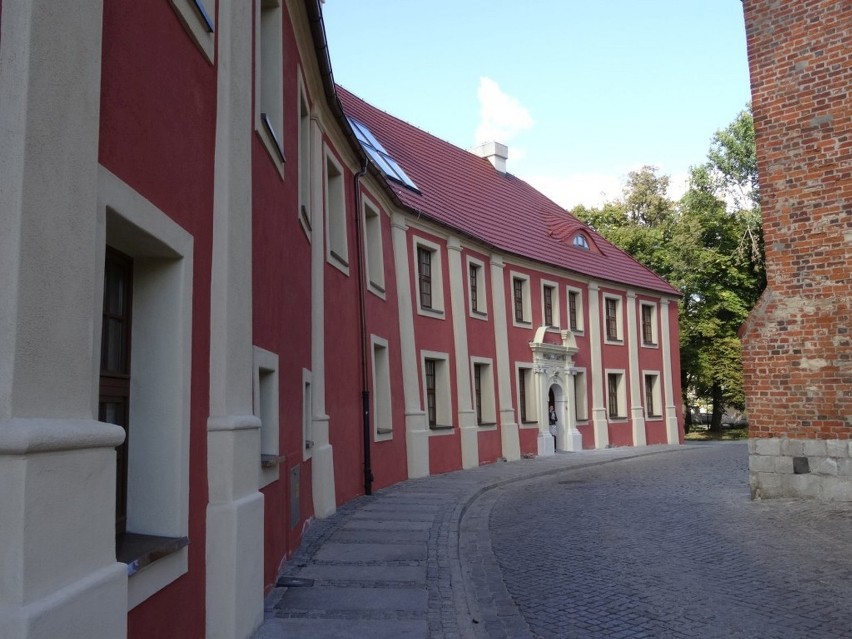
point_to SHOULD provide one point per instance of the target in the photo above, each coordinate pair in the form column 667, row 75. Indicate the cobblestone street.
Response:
column 653, row 542
column 669, row 545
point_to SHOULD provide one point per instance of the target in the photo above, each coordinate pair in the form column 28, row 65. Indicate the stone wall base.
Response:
column 800, row 468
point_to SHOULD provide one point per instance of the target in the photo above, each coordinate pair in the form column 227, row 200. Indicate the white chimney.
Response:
column 495, row 153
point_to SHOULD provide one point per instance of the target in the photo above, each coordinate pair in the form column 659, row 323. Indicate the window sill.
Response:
column 140, row 551
column 479, row 315
column 431, row 312
column 486, row 424
column 522, row 323
column 271, row 461
column 654, row 417
column 384, row 431
column 615, row 342
column 650, row 345
column 614, row 418
column 440, row 427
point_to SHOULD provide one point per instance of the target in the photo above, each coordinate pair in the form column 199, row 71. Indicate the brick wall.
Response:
column 797, row 355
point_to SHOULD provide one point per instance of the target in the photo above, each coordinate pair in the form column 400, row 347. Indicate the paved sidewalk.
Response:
column 388, row 566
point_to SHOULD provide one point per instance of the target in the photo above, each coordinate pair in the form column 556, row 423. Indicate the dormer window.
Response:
column 581, row 242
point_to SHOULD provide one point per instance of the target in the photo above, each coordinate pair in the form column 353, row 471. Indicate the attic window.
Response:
column 380, row 156
column 581, row 242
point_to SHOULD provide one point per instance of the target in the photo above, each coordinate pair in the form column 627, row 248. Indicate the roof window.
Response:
column 380, row 156
column 581, row 242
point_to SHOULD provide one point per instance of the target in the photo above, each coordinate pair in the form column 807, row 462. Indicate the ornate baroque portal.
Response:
column 553, row 360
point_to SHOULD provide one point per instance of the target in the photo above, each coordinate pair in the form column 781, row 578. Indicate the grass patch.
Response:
column 708, row 436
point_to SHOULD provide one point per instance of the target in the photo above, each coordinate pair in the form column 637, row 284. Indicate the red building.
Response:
column 235, row 296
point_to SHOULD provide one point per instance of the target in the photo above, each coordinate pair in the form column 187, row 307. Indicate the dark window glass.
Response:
column 650, row 409
column 477, row 390
column 474, row 291
column 431, row 399
column 647, row 325
column 522, row 389
column 572, row 310
column 611, row 319
column 424, row 269
column 548, row 305
column 518, row 285
column 612, row 388
column 114, row 392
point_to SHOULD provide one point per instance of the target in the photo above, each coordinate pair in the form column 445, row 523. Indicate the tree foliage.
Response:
column 709, row 245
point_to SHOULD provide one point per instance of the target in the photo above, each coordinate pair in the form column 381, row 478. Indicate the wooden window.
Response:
column 474, row 287
column 612, row 393
column 518, row 288
column 477, row 391
column 548, row 306
column 649, row 395
column 648, row 325
column 431, row 393
column 114, row 395
column 612, row 319
column 572, row 309
column 522, row 392
column 424, row 270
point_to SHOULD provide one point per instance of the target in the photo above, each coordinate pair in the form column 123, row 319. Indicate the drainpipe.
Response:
column 362, row 317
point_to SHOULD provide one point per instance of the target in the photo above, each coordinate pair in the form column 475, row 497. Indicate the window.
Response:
column 268, row 78
column 550, row 304
column 653, row 401
column 382, row 415
column 304, row 160
column 575, row 310
column 337, row 247
column 612, row 306
column 649, row 324
column 373, row 243
column 429, row 282
column 146, row 310
column 307, row 416
column 526, row 395
column 521, row 299
column 265, row 388
column 483, row 392
column 581, row 242
column 197, row 19
column 616, row 400
column 436, row 390
column 424, row 274
column 114, row 396
column 580, row 405
column 476, row 288
column 379, row 155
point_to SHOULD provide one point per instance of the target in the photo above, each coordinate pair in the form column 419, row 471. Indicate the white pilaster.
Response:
column 509, row 435
column 571, row 439
column 637, row 415
column 322, row 467
column 416, row 431
column 672, row 430
column 467, row 415
column 544, row 442
column 58, row 574
column 599, row 418
column 234, row 574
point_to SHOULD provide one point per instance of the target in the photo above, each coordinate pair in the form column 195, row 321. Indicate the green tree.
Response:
column 709, row 245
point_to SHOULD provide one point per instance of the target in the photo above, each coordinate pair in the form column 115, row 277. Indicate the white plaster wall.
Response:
column 599, row 417
column 509, row 436
column 637, row 416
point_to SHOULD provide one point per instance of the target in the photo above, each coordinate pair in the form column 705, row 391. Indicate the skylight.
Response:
column 581, row 242
column 380, row 156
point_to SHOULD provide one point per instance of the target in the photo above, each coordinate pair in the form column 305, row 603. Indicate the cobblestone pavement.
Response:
column 663, row 546
column 654, row 542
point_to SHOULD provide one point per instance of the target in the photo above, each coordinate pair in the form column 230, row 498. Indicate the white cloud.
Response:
column 588, row 189
column 501, row 116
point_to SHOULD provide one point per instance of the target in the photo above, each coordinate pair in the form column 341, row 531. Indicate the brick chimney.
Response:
column 495, row 153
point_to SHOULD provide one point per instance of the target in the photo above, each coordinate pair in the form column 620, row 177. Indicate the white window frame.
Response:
column 265, row 393
column 581, row 403
column 381, row 404
column 619, row 319
column 161, row 370
column 375, row 257
column 527, row 305
column 481, row 310
column 443, row 396
column 303, row 115
column 307, row 416
column 269, row 80
column 554, row 302
column 580, row 307
column 655, row 343
column 437, row 277
column 201, row 30
column 488, row 407
column 656, row 392
column 621, row 391
column 529, row 393
column 336, row 234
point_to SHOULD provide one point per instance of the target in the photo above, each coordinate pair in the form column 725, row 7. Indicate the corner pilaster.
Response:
column 509, row 435
column 599, row 419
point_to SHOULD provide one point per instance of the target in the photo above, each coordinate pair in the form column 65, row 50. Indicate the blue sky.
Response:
column 582, row 91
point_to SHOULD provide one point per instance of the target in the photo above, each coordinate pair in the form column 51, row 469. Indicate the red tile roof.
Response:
column 465, row 192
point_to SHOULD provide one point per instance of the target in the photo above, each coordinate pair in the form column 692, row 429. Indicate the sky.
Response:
column 581, row 91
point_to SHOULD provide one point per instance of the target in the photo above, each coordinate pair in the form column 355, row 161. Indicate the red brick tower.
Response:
column 798, row 339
